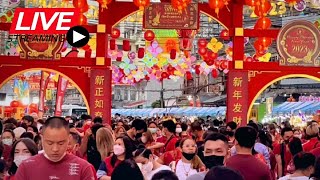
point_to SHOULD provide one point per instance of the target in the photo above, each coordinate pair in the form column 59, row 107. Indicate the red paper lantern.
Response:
column 197, row 69
column 8, row 109
column 265, row 41
column 33, row 106
column 260, row 49
column 140, row 53
column 210, row 62
column 15, row 103
column 262, row 9
column 126, row 45
column 214, row 73
column 171, row 70
column 173, row 53
column 112, row 44
column 202, row 51
column 216, row 5
column 212, row 55
column 202, row 43
column 189, row 75
column 146, row 77
column 149, row 35
column 141, row 3
column 164, row 75
column 82, row 5
column 115, row 33
column 224, row 65
column 263, row 23
column 224, row 34
column 251, row 2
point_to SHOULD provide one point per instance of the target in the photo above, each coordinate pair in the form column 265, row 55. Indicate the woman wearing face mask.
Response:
column 149, row 166
column 122, row 149
column 153, row 128
column 21, row 150
column 178, row 130
column 190, row 163
column 8, row 138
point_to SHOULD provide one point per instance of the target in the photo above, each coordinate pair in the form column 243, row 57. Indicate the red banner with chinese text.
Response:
column 237, row 97
column 98, row 95
column 61, row 89
column 45, row 77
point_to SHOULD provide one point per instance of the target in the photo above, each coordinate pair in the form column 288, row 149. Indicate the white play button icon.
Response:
column 77, row 36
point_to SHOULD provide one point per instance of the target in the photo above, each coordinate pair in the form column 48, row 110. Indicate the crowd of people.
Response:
column 159, row 148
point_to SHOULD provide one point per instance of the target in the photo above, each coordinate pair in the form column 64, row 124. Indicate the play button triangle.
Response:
column 77, row 36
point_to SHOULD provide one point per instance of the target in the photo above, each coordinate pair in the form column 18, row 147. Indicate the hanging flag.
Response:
column 61, row 89
column 45, row 78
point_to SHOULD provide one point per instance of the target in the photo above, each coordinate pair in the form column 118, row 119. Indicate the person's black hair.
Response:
column 265, row 138
column 196, row 126
column 254, row 125
column 27, row 135
column 11, row 120
column 213, row 129
column 177, row 143
column 139, row 124
column 117, row 114
column 9, row 131
column 142, row 152
column 32, row 148
column 95, row 127
column 216, row 123
column 28, row 118
column 170, row 125
column 97, row 120
column 83, row 116
column 316, row 173
column 165, row 175
column 221, row 172
column 34, row 128
column 184, row 126
column 128, row 169
column 295, row 146
column 215, row 137
column 152, row 122
column 41, row 121
column 233, row 125
column 1, row 127
column 68, row 117
column 76, row 137
column 286, row 129
column 9, row 126
column 3, row 165
column 56, row 122
column 24, row 125
column 251, row 121
column 303, row 160
column 129, row 148
column 246, row 136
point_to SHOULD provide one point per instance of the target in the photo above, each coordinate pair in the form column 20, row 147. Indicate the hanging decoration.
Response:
column 216, row 5
column 104, row 3
column 83, row 7
column 115, row 33
column 180, row 5
column 141, row 3
column 149, row 35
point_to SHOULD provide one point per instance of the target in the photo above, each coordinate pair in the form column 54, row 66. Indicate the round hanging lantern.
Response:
column 188, row 75
column 214, row 73
column 265, row 41
column 210, row 62
column 263, row 23
column 115, row 33
column 262, row 9
column 146, row 77
column 164, row 75
column 14, row 103
column 251, row 2
column 202, row 43
column 141, row 3
column 149, row 35
column 224, row 34
column 104, row 3
column 197, row 69
column 216, row 5
column 82, row 5
column 260, row 49
column 180, row 5
column 202, row 51
column 140, row 53
column 83, row 20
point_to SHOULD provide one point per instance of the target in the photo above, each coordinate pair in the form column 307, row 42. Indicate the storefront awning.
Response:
column 134, row 104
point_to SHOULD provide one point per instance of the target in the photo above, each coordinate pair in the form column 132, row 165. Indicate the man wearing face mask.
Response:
column 138, row 127
column 282, row 151
column 55, row 162
column 215, row 153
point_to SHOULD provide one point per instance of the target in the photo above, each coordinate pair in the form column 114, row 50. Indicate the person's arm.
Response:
column 156, row 146
column 84, row 143
column 160, row 160
column 279, row 165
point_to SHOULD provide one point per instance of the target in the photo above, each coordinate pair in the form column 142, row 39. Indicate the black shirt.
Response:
column 93, row 154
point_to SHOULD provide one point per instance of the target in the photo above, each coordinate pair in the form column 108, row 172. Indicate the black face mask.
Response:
column 138, row 135
column 212, row 161
column 188, row 156
column 286, row 141
column 230, row 133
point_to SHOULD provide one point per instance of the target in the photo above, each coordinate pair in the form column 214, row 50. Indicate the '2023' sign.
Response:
column 278, row 8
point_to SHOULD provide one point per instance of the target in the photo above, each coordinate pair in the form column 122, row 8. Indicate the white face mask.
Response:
column 147, row 168
column 153, row 130
column 118, row 150
column 45, row 155
column 19, row 158
column 7, row 142
column 143, row 139
column 178, row 130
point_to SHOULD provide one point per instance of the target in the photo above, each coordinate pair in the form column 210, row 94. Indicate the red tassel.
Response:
column 112, row 44
column 173, row 53
column 126, row 45
column 140, row 53
column 185, row 43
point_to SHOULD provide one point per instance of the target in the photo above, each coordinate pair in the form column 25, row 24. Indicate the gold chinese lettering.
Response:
column 98, row 113
column 237, row 119
column 237, row 108
column 237, row 82
column 237, row 94
column 98, row 103
column 99, row 80
column 99, row 92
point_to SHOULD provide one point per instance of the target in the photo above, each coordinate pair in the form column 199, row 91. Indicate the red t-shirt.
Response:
column 171, row 156
column 311, row 144
column 171, row 145
column 70, row 167
column 249, row 166
column 287, row 155
column 163, row 140
column 316, row 152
